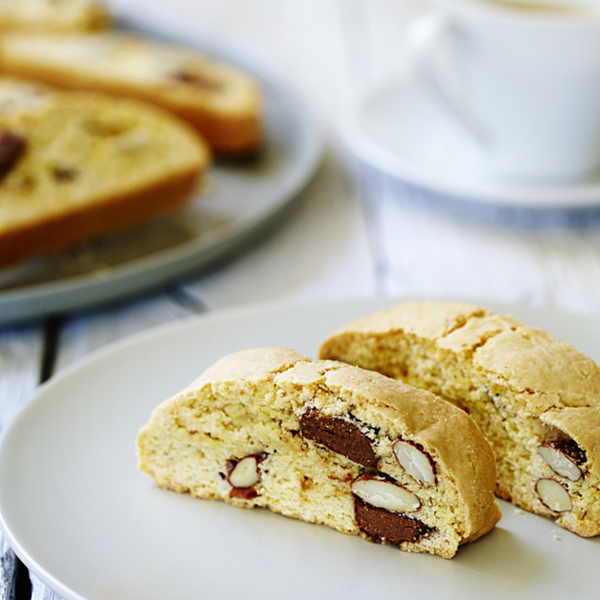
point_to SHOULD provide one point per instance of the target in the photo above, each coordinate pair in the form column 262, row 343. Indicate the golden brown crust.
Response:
column 256, row 389
column 430, row 320
column 459, row 349
column 76, row 181
column 66, row 230
column 231, row 122
column 544, row 373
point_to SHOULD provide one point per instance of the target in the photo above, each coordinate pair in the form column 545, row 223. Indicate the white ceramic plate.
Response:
column 242, row 201
column 398, row 129
column 80, row 515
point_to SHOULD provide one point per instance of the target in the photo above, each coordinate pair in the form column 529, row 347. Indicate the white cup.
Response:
column 522, row 79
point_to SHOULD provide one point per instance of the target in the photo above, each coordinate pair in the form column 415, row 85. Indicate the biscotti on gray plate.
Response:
column 74, row 166
column 60, row 16
column 223, row 102
column 326, row 443
column 535, row 397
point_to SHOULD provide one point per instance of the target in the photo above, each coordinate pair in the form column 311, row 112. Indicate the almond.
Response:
column 416, row 462
column 564, row 457
column 553, row 495
column 385, row 494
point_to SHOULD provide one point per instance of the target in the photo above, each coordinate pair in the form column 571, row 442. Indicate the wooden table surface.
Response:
column 355, row 232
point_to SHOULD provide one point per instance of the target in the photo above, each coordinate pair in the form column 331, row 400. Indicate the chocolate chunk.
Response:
column 380, row 525
column 12, row 146
column 247, row 493
column 64, row 174
column 338, row 435
column 197, row 80
column 232, row 462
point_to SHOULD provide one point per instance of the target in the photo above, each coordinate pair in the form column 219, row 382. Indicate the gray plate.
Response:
column 242, row 200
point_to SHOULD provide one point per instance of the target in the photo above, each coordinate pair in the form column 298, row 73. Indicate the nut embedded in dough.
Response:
column 564, row 457
column 314, row 440
column 535, row 397
column 386, row 494
column 553, row 495
column 415, row 461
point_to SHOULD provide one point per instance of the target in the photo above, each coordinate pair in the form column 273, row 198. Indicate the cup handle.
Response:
column 425, row 40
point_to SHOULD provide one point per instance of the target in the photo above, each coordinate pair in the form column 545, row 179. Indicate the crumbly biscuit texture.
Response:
column 74, row 166
column 60, row 16
column 535, row 397
column 220, row 100
column 326, row 443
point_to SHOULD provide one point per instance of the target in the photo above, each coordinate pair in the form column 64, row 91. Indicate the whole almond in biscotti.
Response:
column 315, row 440
column 535, row 397
column 223, row 102
column 75, row 166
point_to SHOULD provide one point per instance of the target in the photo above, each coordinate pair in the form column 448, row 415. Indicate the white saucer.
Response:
column 400, row 131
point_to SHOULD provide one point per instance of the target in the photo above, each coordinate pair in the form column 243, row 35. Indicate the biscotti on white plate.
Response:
column 326, row 443
column 74, row 166
column 536, row 398
column 222, row 101
column 60, row 16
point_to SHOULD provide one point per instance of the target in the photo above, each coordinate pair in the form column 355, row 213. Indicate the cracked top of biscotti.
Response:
column 547, row 377
column 449, row 434
column 52, row 15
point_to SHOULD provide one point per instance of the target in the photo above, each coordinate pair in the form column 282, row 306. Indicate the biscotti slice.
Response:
column 536, row 398
column 221, row 101
column 74, row 166
column 60, row 16
column 326, row 443
column 18, row 95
